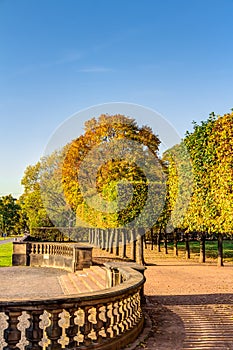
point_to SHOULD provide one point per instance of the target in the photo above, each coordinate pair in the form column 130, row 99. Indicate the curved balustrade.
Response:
column 64, row 255
column 108, row 319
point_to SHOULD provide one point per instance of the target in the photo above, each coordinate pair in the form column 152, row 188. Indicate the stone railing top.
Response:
column 133, row 280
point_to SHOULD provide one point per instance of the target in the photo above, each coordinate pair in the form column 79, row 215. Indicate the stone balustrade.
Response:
column 68, row 256
column 108, row 319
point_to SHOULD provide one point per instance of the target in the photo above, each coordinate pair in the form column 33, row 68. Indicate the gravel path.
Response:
column 190, row 306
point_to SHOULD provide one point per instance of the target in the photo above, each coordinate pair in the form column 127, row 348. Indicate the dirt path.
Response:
column 190, row 306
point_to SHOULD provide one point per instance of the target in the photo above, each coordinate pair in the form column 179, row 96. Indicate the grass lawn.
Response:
column 6, row 254
column 211, row 249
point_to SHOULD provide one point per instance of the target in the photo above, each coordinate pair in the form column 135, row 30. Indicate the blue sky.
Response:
column 58, row 57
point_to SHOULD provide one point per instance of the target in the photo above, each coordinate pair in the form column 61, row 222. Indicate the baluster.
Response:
column 110, row 320
column 126, row 314
column 64, row 323
column 92, row 319
column 12, row 334
column 139, row 303
column 138, row 306
column 34, row 249
column 121, row 316
column 129, row 308
column 134, row 310
column 34, row 333
column 79, row 321
column 23, row 324
column 116, row 318
column 44, row 324
column 54, row 331
column 3, row 326
column 101, row 323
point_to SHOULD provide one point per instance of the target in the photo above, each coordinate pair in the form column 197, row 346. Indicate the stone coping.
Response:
column 134, row 280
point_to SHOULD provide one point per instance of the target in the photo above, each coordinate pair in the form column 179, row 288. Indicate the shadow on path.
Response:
column 182, row 322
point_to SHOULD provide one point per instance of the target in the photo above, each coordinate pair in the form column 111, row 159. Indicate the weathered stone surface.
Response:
column 71, row 257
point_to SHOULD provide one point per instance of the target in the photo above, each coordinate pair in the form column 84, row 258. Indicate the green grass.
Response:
column 211, row 249
column 6, row 254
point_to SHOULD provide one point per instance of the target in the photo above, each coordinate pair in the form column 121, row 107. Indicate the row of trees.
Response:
column 197, row 196
column 203, row 162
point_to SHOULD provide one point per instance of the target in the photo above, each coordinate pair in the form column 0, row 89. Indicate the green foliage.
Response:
column 31, row 200
column 11, row 216
column 102, row 149
column 210, row 148
column 179, row 184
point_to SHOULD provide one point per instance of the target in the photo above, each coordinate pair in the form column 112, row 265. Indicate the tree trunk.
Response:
column 159, row 241
column 103, row 239
column 96, row 237
column 152, row 238
column 145, row 241
column 123, row 235
column 165, row 242
column 133, row 244
column 111, row 239
column 175, row 243
column 140, row 241
column 90, row 235
column 202, row 248
column 220, row 249
column 107, row 234
column 187, row 246
column 116, row 241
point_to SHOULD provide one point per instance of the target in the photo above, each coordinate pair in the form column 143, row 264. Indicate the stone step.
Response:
column 67, row 285
column 83, row 281
column 99, row 277
column 88, row 282
column 80, row 285
column 101, row 271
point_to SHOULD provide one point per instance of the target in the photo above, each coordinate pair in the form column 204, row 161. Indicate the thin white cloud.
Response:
column 95, row 70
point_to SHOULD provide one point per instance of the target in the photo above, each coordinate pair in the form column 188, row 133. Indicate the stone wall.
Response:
column 68, row 256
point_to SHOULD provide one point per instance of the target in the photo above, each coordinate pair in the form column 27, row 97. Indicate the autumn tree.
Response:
column 115, row 164
column 221, row 180
column 179, row 191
